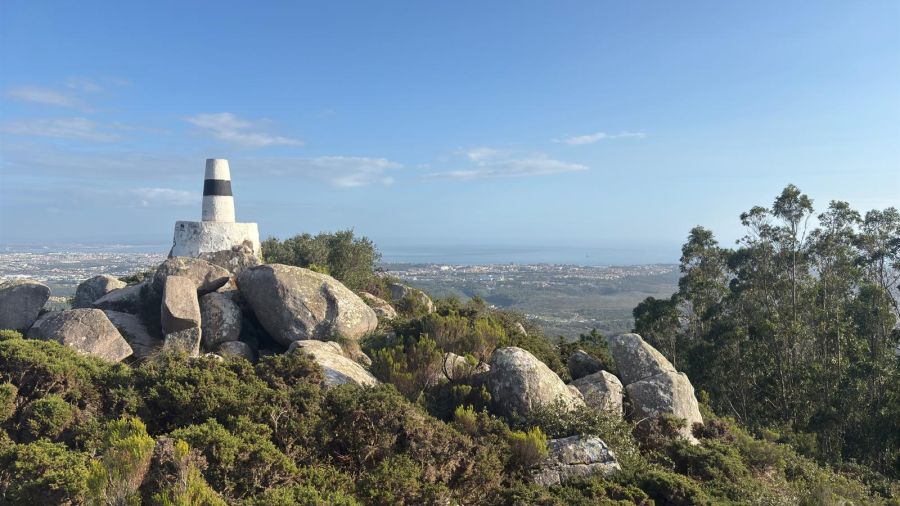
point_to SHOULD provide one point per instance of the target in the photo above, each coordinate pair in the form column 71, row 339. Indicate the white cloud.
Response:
column 62, row 128
column 339, row 171
column 479, row 154
column 45, row 96
column 151, row 197
column 227, row 127
column 489, row 163
column 83, row 84
column 597, row 137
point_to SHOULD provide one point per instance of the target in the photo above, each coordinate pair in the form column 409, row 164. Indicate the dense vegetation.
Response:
column 170, row 430
column 352, row 260
column 794, row 332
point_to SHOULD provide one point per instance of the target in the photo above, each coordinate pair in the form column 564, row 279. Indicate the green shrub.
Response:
column 8, row 334
column 8, row 394
column 666, row 487
column 348, row 259
column 398, row 481
column 527, row 449
column 175, row 477
column 47, row 417
column 42, row 473
column 557, row 421
column 177, row 391
column 411, row 368
column 241, row 463
column 466, row 418
column 40, row 367
column 125, row 460
column 654, row 434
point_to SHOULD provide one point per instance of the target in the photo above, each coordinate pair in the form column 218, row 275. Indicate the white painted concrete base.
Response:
column 195, row 237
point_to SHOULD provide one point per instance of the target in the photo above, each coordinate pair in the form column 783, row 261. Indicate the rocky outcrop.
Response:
column 652, row 383
column 382, row 308
column 338, row 369
column 235, row 349
column 180, row 308
column 135, row 332
column 221, row 319
column 400, row 291
column 21, row 302
column 88, row 331
column 669, row 392
column 128, row 299
column 581, row 364
column 205, row 276
column 296, row 304
column 92, row 289
column 35, row 331
column 519, row 383
column 602, row 391
column 185, row 340
column 235, row 260
column 636, row 359
column 575, row 457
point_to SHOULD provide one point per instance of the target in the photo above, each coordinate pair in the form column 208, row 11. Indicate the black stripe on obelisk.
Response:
column 216, row 187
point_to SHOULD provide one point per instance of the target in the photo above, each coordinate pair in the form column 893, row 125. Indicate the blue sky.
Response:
column 570, row 124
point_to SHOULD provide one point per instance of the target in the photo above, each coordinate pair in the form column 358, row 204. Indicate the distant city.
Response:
column 565, row 299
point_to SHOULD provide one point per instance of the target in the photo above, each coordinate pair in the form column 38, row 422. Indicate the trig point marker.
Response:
column 218, row 230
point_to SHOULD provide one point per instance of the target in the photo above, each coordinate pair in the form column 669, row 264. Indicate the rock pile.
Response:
column 225, row 303
column 652, row 383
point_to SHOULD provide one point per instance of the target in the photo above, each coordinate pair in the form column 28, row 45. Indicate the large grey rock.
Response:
column 205, row 276
column 234, row 260
column 221, row 319
column 185, row 340
column 602, row 391
column 382, row 308
column 575, row 457
column 128, row 299
column 668, row 392
column 88, row 331
column 180, row 309
column 135, row 332
column 581, row 364
column 92, row 289
column 34, row 332
column 636, row 359
column 21, row 301
column 520, row 383
column 400, row 291
column 295, row 304
column 235, row 349
column 338, row 368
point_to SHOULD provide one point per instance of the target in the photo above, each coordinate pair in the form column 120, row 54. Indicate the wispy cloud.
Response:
column 151, row 197
column 83, row 84
column 597, row 137
column 492, row 163
column 62, row 128
column 46, row 96
column 339, row 171
column 227, row 127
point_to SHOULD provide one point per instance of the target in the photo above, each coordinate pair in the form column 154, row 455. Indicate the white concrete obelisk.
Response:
column 218, row 230
column 218, row 202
